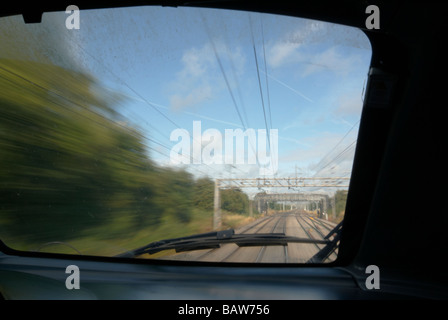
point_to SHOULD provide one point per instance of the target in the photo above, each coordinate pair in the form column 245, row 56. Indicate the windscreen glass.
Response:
column 123, row 127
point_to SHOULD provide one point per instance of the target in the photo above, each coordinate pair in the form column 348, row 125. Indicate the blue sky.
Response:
column 177, row 66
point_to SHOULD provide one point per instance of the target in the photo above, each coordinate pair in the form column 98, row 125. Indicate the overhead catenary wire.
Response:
column 143, row 99
column 266, row 74
column 235, row 104
column 223, row 73
column 221, row 67
column 320, row 165
column 128, row 86
column 234, row 74
column 135, row 92
column 259, row 80
column 339, row 156
column 240, row 111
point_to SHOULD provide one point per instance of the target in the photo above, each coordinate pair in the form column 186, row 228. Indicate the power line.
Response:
column 230, row 90
column 235, row 78
column 144, row 99
column 266, row 74
column 129, row 87
column 223, row 72
column 338, row 156
column 259, row 81
column 337, row 144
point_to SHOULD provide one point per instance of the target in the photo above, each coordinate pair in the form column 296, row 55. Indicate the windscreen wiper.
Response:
column 212, row 240
column 331, row 246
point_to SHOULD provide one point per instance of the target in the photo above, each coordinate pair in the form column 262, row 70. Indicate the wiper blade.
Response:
column 212, row 240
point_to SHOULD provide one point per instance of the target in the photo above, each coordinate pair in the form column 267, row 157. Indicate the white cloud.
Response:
column 283, row 53
column 195, row 62
column 200, row 77
column 302, row 48
column 287, row 50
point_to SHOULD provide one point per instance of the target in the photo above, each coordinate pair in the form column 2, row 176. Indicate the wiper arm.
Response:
column 213, row 240
column 331, row 246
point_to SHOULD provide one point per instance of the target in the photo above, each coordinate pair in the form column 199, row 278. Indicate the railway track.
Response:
column 296, row 224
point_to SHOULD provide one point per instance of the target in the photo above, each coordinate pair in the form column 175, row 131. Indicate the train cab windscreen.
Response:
column 185, row 134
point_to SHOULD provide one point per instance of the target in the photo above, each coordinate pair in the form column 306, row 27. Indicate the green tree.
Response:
column 340, row 202
column 337, row 203
column 203, row 196
column 174, row 193
column 234, row 200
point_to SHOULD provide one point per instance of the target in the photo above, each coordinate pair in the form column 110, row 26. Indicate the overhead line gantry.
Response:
column 260, row 183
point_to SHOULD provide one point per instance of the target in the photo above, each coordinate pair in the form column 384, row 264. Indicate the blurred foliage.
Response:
column 70, row 168
column 203, row 195
column 340, row 200
column 66, row 162
column 234, row 200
